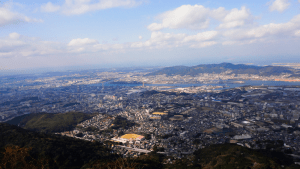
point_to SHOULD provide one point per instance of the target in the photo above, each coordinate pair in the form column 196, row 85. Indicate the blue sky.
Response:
column 122, row 33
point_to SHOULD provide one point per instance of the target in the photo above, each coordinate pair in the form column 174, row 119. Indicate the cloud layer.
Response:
column 17, row 45
column 279, row 5
column 77, row 7
column 7, row 16
column 198, row 17
column 282, row 30
column 80, row 42
column 163, row 40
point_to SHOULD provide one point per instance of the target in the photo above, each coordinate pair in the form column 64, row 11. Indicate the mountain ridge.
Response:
column 227, row 67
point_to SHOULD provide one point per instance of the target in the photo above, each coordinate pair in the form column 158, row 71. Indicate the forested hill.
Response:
column 50, row 122
column 20, row 148
column 229, row 67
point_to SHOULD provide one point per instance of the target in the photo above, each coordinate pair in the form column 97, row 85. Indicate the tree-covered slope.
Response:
column 229, row 156
column 50, row 122
column 36, row 150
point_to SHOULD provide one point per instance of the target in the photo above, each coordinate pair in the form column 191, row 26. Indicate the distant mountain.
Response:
column 223, row 67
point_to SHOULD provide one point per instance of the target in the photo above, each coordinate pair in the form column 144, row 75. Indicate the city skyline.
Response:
column 123, row 33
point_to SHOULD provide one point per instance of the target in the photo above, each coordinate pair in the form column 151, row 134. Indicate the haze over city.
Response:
column 125, row 33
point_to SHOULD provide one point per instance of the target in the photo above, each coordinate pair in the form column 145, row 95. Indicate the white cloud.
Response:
column 82, row 42
column 91, row 45
column 49, row 7
column 77, row 7
column 203, row 44
column 14, row 35
column 160, row 40
column 9, row 44
column 140, row 37
column 198, row 17
column 279, row 5
column 236, row 18
column 159, row 37
column 169, row 40
column 185, row 16
column 203, row 36
column 9, row 17
column 16, row 45
column 264, row 32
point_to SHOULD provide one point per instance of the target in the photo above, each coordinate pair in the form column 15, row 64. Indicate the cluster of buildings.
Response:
column 176, row 121
column 180, row 124
column 200, row 78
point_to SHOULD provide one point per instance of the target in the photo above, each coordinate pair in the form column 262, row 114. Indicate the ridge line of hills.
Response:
column 229, row 68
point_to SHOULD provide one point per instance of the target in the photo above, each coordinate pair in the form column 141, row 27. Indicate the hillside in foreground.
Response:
column 50, row 122
column 20, row 148
column 234, row 156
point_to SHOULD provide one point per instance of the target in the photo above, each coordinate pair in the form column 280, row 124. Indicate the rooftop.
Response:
column 132, row 136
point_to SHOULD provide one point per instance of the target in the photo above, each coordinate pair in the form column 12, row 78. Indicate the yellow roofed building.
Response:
column 160, row 113
column 129, row 137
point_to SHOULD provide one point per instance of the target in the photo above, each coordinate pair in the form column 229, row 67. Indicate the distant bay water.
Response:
column 226, row 85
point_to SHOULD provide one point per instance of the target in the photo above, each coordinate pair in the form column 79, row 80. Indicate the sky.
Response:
column 126, row 33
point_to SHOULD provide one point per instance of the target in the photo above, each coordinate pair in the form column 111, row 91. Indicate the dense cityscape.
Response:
column 134, row 118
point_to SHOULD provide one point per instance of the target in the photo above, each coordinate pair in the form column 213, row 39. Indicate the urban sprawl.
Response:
column 176, row 121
